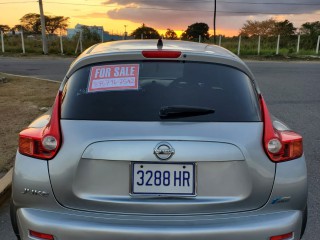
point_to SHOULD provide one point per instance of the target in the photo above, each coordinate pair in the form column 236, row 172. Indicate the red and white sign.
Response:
column 114, row 77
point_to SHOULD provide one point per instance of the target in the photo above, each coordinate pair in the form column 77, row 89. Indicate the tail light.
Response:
column 43, row 143
column 279, row 145
column 161, row 54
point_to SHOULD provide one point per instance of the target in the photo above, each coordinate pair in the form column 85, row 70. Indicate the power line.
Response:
column 184, row 10
column 183, row 1
column 273, row 3
column 189, row 10
column 18, row 2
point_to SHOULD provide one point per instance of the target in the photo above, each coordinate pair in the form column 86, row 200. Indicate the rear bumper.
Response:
column 77, row 225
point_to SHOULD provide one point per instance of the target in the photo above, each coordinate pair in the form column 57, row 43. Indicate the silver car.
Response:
column 152, row 139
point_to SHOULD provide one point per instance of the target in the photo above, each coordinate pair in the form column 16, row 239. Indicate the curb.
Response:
column 23, row 76
column 5, row 184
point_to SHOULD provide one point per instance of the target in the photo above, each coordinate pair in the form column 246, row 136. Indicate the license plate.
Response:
column 163, row 179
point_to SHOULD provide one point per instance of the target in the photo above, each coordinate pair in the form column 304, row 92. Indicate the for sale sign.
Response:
column 114, row 77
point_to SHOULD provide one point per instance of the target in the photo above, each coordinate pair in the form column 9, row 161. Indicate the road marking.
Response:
column 44, row 79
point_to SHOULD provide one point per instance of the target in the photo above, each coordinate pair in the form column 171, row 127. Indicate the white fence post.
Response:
column 2, row 42
column 259, row 44
column 199, row 38
column 78, row 43
column 81, row 49
column 318, row 43
column 298, row 45
column 278, row 45
column 61, row 44
column 239, row 45
column 141, row 35
column 22, row 41
column 220, row 37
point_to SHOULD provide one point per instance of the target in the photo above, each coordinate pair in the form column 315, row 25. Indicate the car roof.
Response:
column 151, row 44
column 131, row 50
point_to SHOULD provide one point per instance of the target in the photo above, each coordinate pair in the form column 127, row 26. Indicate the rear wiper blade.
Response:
column 178, row 111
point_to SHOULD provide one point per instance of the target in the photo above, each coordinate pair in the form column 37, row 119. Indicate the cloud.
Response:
column 231, row 14
column 230, row 7
column 92, row 15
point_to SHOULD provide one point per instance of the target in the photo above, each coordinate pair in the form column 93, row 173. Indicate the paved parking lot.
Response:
column 291, row 89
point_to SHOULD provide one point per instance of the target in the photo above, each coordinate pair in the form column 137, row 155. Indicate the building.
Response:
column 98, row 29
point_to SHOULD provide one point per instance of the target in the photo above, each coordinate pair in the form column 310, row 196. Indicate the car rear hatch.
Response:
column 120, row 155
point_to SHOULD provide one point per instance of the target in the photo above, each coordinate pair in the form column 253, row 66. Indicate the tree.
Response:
column 267, row 28
column 170, row 34
column 32, row 24
column 258, row 28
column 311, row 31
column 54, row 23
column 148, row 32
column 195, row 30
column 89, row 34
column 311, row 28
column 284, row 28
column 4, row 28
column 17, row 28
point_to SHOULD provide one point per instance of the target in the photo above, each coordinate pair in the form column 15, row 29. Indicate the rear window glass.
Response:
column 158, row 84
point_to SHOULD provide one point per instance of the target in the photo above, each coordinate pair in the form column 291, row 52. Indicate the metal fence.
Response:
column 258, row 45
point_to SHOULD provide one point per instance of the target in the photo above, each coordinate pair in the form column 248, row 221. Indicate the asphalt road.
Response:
column 46, row 67
column 291, row 89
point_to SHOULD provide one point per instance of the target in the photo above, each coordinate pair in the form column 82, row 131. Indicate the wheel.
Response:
column 13, row 216
column 304, row 221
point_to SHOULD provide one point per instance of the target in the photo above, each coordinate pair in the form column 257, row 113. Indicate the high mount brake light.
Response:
column 43, row 143
column 279, row 145
column 161, row 54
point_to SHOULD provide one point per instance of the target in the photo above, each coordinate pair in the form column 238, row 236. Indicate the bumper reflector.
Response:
column 287, row 236
column 41, row 235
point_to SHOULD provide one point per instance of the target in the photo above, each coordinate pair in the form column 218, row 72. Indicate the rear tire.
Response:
column 13, row 217
column 304, row 221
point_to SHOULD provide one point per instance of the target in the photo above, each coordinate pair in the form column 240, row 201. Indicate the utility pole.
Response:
column 43, row 30
column 214, row 21
column 125, row 32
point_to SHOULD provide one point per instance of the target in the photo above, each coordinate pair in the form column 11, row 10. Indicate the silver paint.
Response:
column 88, row 182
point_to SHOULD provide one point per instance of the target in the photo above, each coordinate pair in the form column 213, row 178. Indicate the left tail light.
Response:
column 43, row 143
column 279, row 145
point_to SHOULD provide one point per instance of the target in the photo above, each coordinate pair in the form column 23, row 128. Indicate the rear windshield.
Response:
column 137, row 91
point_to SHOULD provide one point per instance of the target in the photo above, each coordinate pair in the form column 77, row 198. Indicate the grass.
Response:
column 20, row 102
column 33, row 45
column 288, row 47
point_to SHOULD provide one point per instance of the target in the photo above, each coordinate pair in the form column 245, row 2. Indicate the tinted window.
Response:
column 225, row 89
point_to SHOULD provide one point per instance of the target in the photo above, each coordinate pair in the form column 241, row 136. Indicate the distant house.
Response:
column 73, row 31
column 98, row 29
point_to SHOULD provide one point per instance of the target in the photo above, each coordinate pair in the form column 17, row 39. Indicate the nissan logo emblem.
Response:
column 163, row 151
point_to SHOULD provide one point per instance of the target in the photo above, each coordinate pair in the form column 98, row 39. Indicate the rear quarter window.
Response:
column 225, row 89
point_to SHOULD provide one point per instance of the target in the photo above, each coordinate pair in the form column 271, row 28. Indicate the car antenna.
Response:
column 160, row 44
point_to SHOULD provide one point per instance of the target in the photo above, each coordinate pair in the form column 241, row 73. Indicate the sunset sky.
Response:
column 163, row 14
